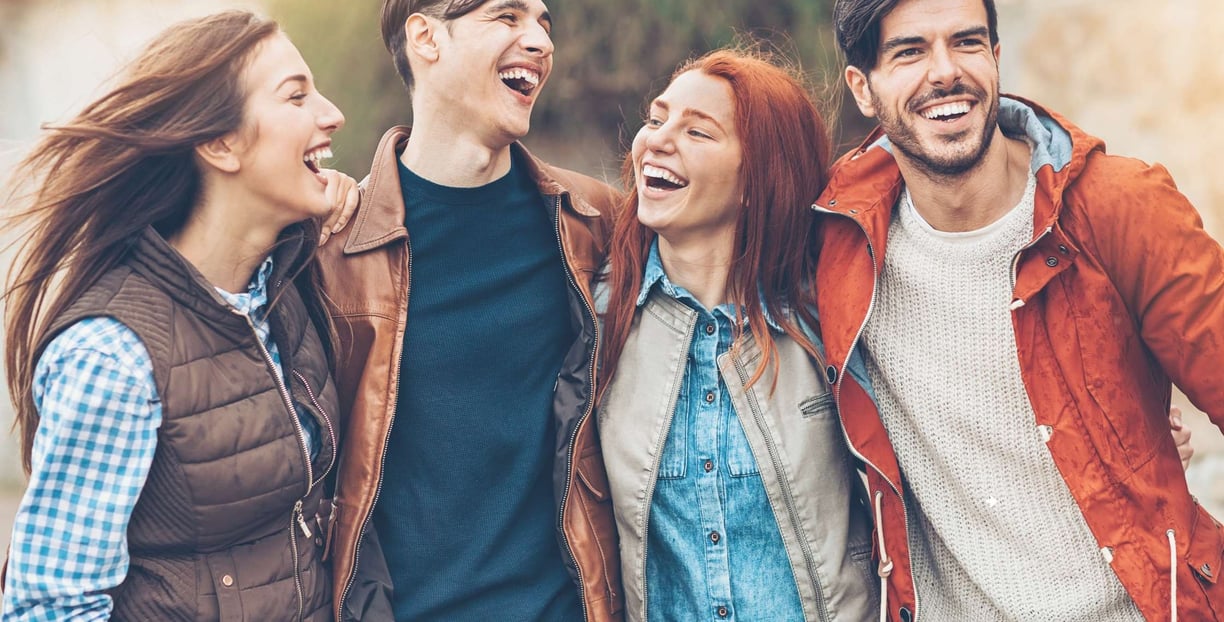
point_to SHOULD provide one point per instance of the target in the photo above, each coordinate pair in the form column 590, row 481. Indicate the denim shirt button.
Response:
column 709, row 398
column 709, row 329
column 722, row 612
column 708, row 466
column 714, row 537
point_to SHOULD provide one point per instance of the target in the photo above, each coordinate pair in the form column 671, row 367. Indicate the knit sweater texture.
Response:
column 994, row 531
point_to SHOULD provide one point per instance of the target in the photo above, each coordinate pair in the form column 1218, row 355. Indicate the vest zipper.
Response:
column 301, row 435
column 590, row 405
column 875, row 289
column 331, row 432
column 297, row 567
column 382, row 460
column 822, row 607
column 671, row 416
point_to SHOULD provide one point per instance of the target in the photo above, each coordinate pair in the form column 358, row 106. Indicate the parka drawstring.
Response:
column 886, row 565
column 1172, row 575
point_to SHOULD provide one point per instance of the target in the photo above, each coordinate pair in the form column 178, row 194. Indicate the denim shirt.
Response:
column 714, row 550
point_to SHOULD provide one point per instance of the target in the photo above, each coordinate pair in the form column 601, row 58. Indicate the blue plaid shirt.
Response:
column 97, row 400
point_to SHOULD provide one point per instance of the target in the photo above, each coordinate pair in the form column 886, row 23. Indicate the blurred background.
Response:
column 1143, row 74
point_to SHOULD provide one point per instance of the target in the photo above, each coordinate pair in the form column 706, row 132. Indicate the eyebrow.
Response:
column 519, row 5
column 690, row 112
column 300, row 77
column 897, row 42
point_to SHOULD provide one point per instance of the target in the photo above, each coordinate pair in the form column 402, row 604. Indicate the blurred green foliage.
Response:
column 612, row 56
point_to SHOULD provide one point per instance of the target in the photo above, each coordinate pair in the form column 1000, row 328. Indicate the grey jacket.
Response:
column 796, row 439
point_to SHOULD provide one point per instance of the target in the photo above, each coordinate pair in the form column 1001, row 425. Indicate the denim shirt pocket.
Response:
column 675, row 449
column 740, row 461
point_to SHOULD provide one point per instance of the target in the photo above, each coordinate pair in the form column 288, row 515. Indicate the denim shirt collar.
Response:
column 654, row 274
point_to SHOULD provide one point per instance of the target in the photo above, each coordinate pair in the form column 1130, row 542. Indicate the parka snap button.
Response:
column 1051, row 261
column 227, row 581
column 1206, row 570
column 853, row 211
column 906, row 616
column 832, row 202
column 831, row 374
column 1062, row 248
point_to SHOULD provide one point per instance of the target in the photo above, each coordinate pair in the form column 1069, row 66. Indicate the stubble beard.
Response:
column 932, row 162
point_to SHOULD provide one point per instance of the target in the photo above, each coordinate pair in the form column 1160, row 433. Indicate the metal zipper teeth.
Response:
column 671, row 415
column 382, row 461
column 297, row 569
column 590, row 405
column 784, row 482
column 288, row 401
column 326, row 419
column 875, row 288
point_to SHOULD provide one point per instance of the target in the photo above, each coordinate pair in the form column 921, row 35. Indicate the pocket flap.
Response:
column 594, row 476
column 1206, row 546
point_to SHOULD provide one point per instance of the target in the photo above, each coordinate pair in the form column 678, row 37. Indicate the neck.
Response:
column 222, row 245
column 975, row 198
column 450, row 152
column 702, row 268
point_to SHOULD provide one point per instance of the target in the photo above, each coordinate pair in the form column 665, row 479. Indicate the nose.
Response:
column 537, row 41
column 328, row 116
column 943, row 70
column 659, row 139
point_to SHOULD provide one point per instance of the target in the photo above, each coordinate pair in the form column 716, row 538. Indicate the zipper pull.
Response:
column 301, row 519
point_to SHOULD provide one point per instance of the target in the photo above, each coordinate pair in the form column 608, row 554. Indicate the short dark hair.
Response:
column 396, row 12
column 857, row 25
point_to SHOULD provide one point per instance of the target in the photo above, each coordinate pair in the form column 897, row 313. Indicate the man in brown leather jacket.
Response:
column 470, row 482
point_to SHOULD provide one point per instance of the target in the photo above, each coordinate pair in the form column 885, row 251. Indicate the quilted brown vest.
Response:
column 218, row 532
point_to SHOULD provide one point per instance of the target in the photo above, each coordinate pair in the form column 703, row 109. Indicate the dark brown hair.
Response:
column 785, row 156
column 396, row 12
column 857, row 25
column 124, row 163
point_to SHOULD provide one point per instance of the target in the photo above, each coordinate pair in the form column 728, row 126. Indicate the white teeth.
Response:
column 322, row 153
column 518, row 73
column 947, row 110
column 649, row 170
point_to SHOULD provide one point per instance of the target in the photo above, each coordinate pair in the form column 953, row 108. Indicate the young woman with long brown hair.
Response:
column 165, row 343
column 734, row 494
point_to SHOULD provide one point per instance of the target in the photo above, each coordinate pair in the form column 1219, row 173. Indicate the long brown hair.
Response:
column 785, row 157
column 124, row 163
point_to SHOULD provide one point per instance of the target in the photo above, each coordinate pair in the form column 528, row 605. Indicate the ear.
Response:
column 998, row 49
column 220, row 154
column 421, row 34
column 860, row 88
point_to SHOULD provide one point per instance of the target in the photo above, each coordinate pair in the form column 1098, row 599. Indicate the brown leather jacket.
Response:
column 367, row 275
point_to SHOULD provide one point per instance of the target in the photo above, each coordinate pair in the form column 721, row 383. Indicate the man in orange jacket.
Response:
column 1005, row 307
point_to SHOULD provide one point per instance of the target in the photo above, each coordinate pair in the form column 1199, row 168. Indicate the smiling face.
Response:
column 686, row 161
column 491, row 65
column 286, row 130
column 935, row 87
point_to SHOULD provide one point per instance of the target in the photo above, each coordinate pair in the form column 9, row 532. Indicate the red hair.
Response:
column 785, row 158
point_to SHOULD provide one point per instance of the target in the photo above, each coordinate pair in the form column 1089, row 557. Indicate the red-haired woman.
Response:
column 734, row 494
column 166, row 346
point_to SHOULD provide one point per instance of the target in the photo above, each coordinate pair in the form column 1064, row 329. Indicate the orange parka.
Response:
column 1119, row 294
